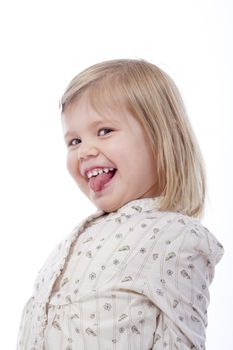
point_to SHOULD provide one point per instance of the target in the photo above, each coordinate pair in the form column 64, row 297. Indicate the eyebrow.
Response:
column 94, row 124
column 69, row 134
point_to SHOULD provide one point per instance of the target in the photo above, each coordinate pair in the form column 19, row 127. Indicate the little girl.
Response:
column 136, row 274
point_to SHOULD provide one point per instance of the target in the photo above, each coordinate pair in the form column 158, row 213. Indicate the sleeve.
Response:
column 178, row 284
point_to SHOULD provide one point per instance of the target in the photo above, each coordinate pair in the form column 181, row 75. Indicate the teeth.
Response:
column 96, row 172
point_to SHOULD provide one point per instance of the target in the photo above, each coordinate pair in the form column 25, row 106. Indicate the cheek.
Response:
column 71, row 165
column 146, row 160
column 73, row 168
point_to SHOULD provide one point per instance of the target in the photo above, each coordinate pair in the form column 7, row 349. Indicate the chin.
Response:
column 106, row 207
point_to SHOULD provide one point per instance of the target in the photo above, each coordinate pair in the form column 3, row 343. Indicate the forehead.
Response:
column 84, row 108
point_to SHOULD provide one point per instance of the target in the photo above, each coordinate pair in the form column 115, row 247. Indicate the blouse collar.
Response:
column 136, row 206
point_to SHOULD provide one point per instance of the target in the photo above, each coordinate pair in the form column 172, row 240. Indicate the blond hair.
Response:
column 152, row 97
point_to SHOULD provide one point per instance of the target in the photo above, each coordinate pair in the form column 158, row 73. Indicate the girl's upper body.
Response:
column 137, row 278
column 136, row 274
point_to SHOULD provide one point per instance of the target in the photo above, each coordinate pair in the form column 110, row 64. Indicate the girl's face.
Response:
column 109, row 156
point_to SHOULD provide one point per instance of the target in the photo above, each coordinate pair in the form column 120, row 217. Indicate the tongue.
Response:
column 97, row 182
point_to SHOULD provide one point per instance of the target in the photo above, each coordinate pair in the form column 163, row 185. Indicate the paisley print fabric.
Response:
column 137, row 279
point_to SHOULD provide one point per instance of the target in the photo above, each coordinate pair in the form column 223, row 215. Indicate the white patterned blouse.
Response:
column 137, row 279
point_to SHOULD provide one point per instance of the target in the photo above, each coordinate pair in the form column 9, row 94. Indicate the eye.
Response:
column 74, row 142
column 104, row 131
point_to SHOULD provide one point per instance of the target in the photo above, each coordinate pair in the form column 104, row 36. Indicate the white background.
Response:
column 43, row 45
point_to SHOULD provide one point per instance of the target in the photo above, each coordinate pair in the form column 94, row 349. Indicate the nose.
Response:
column 87, row 150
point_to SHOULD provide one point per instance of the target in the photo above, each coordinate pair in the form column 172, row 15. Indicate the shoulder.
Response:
column 55, row 262
column 52, row 266
column 183, row 242
column 185, row 236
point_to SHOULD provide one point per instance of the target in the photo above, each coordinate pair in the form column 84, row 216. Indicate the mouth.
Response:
column 100, row 178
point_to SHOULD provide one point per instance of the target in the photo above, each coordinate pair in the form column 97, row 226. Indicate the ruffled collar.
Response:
column 139, row 205
column 128, row 210
column 135, row 206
